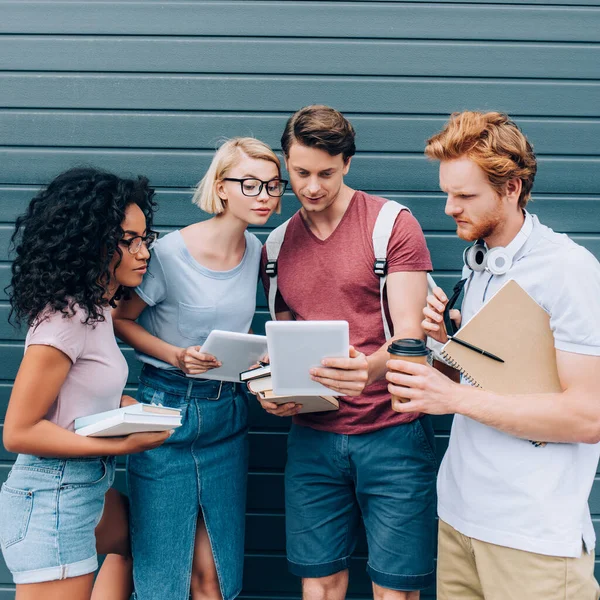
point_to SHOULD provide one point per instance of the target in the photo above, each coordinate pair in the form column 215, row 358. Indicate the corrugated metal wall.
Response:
column 150, row 87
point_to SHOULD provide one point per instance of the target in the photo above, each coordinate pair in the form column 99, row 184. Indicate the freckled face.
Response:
column 471, row 201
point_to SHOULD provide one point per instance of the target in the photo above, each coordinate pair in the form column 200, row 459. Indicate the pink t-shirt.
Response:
column 99, row 371
column 334, row 279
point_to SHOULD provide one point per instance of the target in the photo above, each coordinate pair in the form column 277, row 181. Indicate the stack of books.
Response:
column 259, row 383
column 136, row 418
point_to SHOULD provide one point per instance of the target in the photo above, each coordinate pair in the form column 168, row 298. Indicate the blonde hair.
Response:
column 493, row 142
column 227, row 155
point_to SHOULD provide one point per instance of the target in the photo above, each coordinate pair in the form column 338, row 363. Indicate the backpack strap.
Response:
column 381, row 238
column 273, row 246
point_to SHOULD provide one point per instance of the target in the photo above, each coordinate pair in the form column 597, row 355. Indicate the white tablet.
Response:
column 297, row 346
column 237, row 351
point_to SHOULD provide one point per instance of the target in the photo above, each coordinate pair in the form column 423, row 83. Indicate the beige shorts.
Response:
column 469, row 569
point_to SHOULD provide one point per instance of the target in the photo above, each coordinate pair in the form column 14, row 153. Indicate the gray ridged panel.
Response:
column 327, row 19
column 197, row 130
column 176, row 168
column 299, row 57
column 287, row 93
column 176, row 209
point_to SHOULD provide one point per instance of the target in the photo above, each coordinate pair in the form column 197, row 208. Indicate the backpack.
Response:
column 381, row 237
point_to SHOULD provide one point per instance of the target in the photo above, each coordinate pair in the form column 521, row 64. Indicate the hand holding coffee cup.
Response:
column 410, row 349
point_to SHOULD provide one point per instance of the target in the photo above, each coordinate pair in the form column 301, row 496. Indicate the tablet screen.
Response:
column 237, row 351
column 297, row 346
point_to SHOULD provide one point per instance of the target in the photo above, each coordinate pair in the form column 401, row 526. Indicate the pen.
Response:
column 475, row 348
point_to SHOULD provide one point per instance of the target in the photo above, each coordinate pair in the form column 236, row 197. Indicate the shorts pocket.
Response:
column 426, row 435
column 80, row 473
column 15, row 511
column 195, row 322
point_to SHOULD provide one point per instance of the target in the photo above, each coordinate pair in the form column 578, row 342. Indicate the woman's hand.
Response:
column 127, row 401
column 193, row 361
column 140, row 442
column 433, row 324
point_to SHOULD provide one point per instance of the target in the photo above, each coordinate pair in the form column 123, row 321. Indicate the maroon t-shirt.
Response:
column 334, row 279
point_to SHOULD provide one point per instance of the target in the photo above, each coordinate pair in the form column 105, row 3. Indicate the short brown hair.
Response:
column 493, row 142
column 319, row 126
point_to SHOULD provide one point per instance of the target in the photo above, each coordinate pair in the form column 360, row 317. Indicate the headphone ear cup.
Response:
column 475, row 257
column 498, row 261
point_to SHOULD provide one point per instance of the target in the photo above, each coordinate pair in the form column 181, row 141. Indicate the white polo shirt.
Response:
column 502, row 489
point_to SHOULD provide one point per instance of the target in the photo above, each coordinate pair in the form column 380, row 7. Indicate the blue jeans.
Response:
column 200, row 470
column 49, row 510
column 388, row 477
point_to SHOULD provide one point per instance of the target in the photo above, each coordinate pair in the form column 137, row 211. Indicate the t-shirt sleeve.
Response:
column 280, row 305
column 66, row 334
column 576, row 304
column 407, row 249
column 153, row 288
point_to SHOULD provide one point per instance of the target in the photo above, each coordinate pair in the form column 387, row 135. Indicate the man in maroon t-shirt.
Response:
column 365, row 459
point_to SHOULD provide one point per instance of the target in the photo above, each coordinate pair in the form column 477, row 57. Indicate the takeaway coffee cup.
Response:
column 410, row 349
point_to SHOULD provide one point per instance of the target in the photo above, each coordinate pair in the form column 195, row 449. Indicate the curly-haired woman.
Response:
column 187, row 526
column 81, row 242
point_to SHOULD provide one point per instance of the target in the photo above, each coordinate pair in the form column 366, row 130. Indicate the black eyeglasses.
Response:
column 253, row 187
column 134, row 244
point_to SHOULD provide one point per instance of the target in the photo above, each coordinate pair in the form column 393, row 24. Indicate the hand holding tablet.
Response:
column 237, row 352
column 295, row 347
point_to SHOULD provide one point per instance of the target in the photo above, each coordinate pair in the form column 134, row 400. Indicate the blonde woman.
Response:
column 188, row 498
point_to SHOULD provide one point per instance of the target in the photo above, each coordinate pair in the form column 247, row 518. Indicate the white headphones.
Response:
column 496, row 261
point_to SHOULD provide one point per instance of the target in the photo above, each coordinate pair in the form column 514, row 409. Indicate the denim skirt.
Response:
column 200, row 470
column 49, row 510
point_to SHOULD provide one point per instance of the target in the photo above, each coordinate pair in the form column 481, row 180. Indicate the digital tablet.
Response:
column 297, row 346
column 237, row 351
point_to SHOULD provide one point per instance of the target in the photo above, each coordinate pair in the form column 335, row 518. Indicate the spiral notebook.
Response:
column 514, row 327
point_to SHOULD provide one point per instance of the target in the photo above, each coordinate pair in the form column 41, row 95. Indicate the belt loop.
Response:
column 189, row 390
column 220, row 388
column 218, row 393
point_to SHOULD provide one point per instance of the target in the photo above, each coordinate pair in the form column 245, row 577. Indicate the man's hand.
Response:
column 348, row 376
column 280, row 410
column 193, row 362
column 433, row 324
column 426, row 388
column 127, row 400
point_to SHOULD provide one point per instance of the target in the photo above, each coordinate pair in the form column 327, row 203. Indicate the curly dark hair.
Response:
column 66, row 239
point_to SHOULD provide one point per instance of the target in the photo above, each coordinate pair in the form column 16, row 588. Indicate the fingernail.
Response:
column 313, row 371
column 325, row 363
column 171, row 432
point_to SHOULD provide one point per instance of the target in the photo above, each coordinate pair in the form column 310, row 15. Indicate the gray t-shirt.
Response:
column 99, row 371
column 186, row 301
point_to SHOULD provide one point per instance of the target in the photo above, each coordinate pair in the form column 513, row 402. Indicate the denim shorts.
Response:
column 388, row 478
column 200, row 470
column 49, row 510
